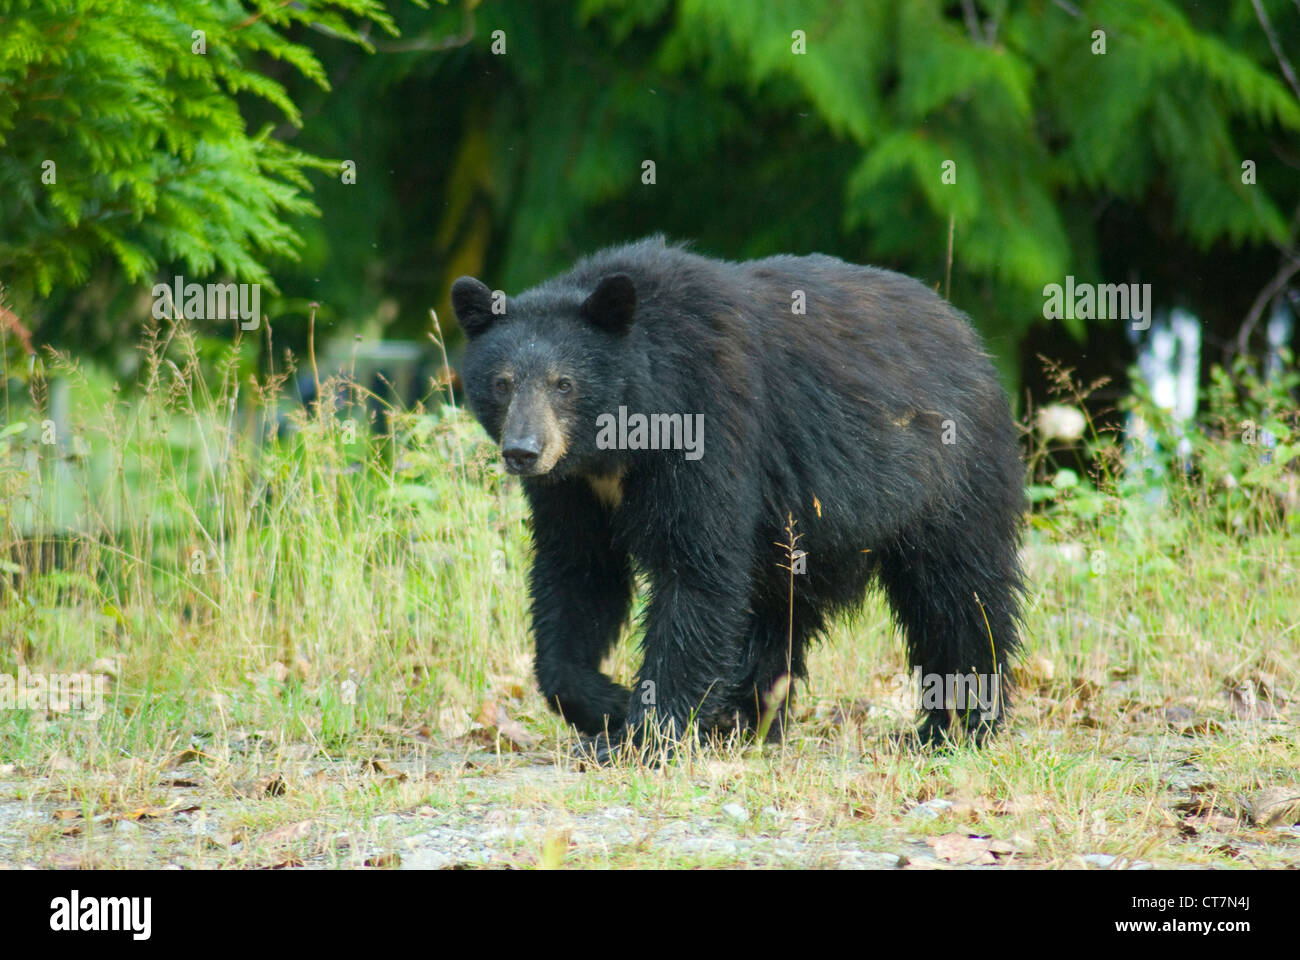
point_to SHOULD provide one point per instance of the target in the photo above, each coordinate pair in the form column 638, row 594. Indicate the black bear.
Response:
column 672, row 412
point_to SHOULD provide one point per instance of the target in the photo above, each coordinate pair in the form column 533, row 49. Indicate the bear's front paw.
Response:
column 597, row 751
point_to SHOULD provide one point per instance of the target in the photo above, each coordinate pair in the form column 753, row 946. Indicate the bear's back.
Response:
column 783, row 322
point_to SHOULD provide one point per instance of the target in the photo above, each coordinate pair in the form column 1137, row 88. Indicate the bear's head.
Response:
column 540, row 369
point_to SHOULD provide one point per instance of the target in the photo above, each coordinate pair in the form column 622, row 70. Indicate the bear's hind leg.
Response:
column 955, row 590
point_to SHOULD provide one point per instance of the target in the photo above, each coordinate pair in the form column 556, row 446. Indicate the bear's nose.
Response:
column 521, row 455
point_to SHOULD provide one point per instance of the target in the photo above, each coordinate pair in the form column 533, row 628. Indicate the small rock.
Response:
column 736, row 812
column 1104, row 861
column 870, row 860
column 425, row 860
column 931, row 809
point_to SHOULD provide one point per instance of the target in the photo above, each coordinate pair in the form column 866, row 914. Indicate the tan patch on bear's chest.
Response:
column 608, row 489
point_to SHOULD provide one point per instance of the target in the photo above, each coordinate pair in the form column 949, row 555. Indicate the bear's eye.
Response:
column 501, row 385
column 564, row 385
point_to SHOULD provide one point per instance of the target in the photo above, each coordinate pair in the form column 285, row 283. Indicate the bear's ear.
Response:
column 613, row 303
column 472, row 301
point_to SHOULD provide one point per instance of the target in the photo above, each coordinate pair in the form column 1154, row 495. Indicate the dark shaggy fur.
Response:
column 836, row 418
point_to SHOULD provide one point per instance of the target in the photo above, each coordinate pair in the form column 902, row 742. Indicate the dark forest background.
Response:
column 505, row 139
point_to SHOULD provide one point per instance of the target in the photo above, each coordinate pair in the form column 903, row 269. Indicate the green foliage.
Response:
column 122, row 135
column 1236, row 469
column 1240, row 467
column 760, row 148
column 511, row 163
column 140, row 523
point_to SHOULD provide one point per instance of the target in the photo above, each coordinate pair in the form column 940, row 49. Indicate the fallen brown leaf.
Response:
column 68, row 861
column 1219, row 823
column 158, row 813
column 961, row 849
column 926, row 863
column 495, row 717
column 287, row 834
column 271, row 786
column 1275, row 806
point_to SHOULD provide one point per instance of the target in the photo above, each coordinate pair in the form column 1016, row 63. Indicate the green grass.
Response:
column 326, row 634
